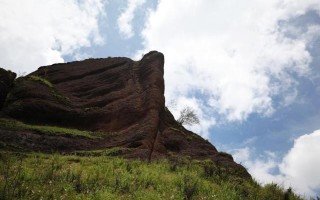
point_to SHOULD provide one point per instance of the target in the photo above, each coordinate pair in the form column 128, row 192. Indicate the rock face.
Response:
column 120, row 97
column 6, row 81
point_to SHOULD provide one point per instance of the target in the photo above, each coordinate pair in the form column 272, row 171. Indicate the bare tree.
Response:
column 188, row 117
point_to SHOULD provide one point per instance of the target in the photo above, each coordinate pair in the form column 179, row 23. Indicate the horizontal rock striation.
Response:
column 119, row 97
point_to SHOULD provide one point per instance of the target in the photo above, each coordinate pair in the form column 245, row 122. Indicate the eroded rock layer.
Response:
column 118, row 97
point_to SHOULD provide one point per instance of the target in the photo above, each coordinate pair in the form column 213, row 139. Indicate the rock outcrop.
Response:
column 6, row 81
column 122, row 98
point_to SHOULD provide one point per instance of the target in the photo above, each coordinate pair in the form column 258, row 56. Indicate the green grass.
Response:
column 41, row 80
column 12, row 124
column 47, row 83
column 55, row 176
column 115, row 151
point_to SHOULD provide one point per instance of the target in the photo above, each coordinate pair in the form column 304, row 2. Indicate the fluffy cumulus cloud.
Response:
column 36, row 32
column 126, row 17
column 231, row 57
column 298, row 169
column 302, row 163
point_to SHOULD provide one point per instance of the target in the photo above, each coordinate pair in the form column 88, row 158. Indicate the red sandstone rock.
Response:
column 118, row 96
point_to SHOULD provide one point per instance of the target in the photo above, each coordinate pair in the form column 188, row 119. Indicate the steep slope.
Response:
column 118, row 99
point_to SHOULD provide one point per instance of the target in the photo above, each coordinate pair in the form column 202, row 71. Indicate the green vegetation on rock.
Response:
column 12, row 124
column 55, row 176
column 115, row 151
column 41, row 80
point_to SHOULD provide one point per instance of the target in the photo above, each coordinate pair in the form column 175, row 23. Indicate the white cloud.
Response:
column 260, row 168
column 302, row 163
column 298, row 169
column 241, row 155
column 35, row 32
column 126, row 17
column 234, row 54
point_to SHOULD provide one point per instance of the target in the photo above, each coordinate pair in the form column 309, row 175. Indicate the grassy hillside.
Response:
column 12, row 124
column 98, row 175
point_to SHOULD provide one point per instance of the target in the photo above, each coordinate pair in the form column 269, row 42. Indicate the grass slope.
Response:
column 56, row 176
column 11, row 124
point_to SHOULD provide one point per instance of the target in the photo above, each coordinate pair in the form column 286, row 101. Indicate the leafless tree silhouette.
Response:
column 188, row 117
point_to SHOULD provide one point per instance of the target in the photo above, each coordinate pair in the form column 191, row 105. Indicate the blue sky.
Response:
column 250, row 69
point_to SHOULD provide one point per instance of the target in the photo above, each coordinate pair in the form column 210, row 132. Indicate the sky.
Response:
column 250, row 69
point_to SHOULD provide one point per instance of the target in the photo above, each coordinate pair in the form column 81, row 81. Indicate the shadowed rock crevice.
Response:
column 6, row 82
column 119, row 97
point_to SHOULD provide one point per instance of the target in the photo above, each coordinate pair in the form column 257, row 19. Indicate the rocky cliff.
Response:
column 119, row 99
